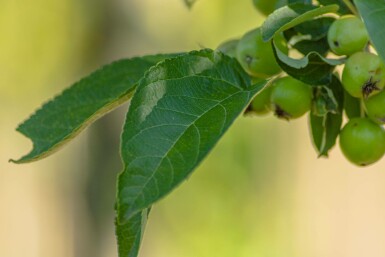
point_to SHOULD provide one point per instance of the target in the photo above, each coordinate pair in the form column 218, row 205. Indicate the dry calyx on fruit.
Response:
column 290, row 98
column 286, row 97
column 363, row 75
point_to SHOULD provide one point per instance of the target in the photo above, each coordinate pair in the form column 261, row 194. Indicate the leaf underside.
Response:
column 312, row 69
column 189, row 3
column 65, row 116
column 373, row 13
column 291, row 15
column 129, row 235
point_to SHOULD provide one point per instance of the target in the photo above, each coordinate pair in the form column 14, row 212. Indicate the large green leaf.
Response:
column 129, row 235
column 289, row 16
column 312, row 69
column 65, row 116
column 179, row 111
column 373, row 13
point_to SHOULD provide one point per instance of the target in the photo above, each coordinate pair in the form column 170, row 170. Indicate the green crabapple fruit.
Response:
column 347, row 35
column 260, row 104
column 228, row 47
column 290, row 98
column 362, row 141
column 363, row 75
column 268, row 6
column 256, row 56
column 375, row 107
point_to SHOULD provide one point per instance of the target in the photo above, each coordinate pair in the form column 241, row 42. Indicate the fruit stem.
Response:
column 351, row 7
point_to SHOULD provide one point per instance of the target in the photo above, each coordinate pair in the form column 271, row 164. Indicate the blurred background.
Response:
column 262, row 192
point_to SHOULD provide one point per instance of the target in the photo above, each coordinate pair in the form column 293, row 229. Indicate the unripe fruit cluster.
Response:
column 362, row 139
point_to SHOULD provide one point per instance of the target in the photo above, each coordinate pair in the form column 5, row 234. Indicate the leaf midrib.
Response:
column 219, row 103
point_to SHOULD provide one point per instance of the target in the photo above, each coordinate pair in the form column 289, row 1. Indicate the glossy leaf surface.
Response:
column 180, row 110
column 291, row 15
column 65, row 116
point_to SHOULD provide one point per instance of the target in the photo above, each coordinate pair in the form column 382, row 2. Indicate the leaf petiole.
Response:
column 351, row 7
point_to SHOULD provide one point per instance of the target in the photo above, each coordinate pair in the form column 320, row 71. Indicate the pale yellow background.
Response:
column 262, row 192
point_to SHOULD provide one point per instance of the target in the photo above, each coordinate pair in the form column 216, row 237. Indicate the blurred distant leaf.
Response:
column 189, row 3
column 289, row 16
column 373, row 13
column 129, row 235
column 65, row 116
column 180, row 110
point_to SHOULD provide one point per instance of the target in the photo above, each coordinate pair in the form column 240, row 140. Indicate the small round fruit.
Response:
column 362, row 141
column 363, row 75
column 261, row 104
column 347, row 35
column 290, row 98
column 375, row 107
column 256, row 56
column 228, row 47
column 268, row 6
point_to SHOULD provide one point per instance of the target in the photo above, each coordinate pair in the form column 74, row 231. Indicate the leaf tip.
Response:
column 19, row 161
column 12, row 161
column 323, row 155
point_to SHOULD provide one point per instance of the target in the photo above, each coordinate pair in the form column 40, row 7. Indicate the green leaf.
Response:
column 310, row 36
column 305, row 47
column 316, row 29
column 325, row 129
column 312, row 69
column 373, row 13
column 352, row 106
column 180, row 110
column 289, row 16
column 65, row 116
column 343, row 8
column 299, row 1
column 129, row 235
column 324, row 101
